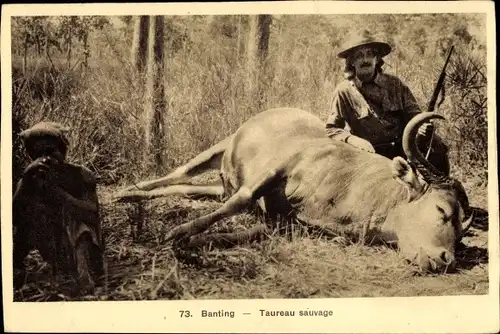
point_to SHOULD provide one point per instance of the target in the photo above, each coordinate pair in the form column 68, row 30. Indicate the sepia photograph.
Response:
column 261, row 153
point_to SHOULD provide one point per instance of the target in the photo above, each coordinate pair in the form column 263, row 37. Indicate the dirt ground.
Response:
column 145, row 267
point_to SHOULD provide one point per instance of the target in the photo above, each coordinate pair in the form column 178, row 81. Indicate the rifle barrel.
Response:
column 439, row 84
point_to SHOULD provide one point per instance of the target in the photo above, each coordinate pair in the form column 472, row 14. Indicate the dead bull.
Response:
column 283, row 159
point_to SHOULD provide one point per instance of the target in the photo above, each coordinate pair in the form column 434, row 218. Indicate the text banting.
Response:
column 217, row 314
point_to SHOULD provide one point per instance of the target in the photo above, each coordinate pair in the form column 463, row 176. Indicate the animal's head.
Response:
column 433, row 221
column 46, row 139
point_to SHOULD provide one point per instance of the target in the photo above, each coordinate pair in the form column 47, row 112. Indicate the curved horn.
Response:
column 411, row 150
column 467, row 223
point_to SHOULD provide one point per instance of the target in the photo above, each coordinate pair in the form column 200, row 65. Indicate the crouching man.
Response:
column 56, row 210
column 370, row 109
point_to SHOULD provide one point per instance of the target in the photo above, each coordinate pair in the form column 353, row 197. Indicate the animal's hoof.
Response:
column 118, row 197
column 129, row 196
column 131, row 188
column 177, row 234
column 342, row 241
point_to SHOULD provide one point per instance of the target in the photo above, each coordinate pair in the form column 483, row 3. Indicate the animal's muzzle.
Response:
column 444, row 263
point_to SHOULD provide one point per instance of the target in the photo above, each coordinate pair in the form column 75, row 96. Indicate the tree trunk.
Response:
column 238, row 39
column 47, row 51
column 38, row 45
column 140, row 43
column 156, row 106
column 264, row 32
column 25, row 54
column 86, row 51
column 257, row 51
column 68, row 54
column 251, row 68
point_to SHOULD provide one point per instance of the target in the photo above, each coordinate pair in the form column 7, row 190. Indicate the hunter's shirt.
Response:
column 376, row 111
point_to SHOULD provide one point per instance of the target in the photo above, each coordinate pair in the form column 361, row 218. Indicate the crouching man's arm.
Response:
column 87, row 202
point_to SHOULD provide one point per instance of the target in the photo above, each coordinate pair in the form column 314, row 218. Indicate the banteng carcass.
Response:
column 283, row 160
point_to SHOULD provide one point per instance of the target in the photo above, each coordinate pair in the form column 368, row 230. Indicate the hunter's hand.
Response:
column 360, row 143
column 39, row 168
column 426, row 129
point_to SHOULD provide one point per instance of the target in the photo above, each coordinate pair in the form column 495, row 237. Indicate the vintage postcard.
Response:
column 284, row 167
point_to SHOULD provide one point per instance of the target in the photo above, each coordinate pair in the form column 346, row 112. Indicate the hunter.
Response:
column 370, row 109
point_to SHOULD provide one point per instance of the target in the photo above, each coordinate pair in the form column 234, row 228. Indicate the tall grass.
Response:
column 209, row 90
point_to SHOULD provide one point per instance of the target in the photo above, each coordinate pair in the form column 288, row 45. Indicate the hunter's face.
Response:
column 364, row 61
column 46, row 147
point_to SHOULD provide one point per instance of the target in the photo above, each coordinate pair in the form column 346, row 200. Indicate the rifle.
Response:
column 437, row 89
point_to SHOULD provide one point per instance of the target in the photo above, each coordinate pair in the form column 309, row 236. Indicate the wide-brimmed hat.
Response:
column 382, row 48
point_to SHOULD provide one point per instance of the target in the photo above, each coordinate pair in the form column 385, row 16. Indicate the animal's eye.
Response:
column 440, row 209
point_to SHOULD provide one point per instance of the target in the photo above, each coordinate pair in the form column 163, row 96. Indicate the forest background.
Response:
column 80, row 71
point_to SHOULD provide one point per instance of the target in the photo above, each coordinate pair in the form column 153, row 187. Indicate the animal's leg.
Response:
column 226, row 240
column 207, row 160
column 240, row 200
column 187, row 190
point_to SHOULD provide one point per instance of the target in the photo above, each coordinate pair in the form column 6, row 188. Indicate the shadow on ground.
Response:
column 470, row 256
column 480, row 219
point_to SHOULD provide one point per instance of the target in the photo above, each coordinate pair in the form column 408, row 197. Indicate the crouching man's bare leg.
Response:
column 89, row 264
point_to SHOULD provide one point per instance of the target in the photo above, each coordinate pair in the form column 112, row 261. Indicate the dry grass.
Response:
column 304, row 267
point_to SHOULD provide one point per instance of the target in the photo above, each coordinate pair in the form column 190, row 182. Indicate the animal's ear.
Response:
column 402, row 172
